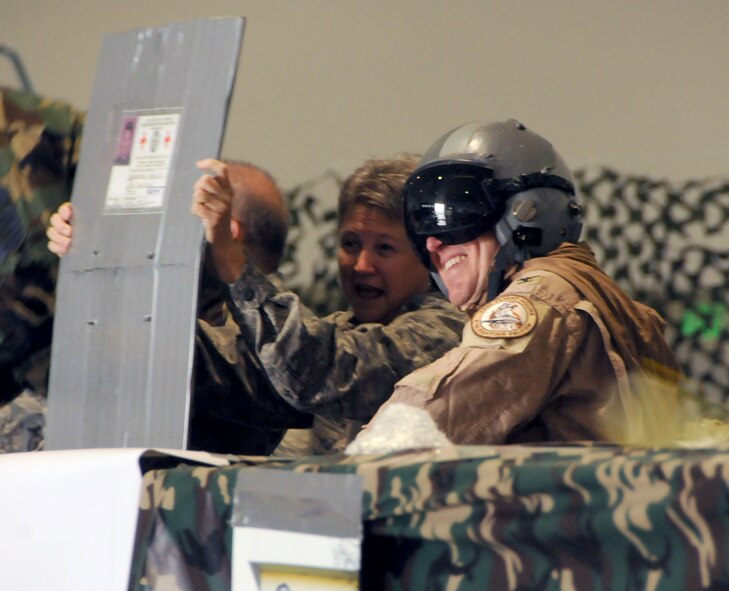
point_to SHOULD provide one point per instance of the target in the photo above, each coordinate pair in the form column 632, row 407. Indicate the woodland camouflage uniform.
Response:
column 39, row 141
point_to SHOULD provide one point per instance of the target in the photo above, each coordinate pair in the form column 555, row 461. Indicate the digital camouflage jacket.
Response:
column 332, row 367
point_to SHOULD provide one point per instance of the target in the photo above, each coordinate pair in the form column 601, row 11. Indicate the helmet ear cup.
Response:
column 537, row 221
column 438, row 280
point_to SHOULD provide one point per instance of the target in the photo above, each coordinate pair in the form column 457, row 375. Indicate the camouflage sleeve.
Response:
column 329, row 366
column 230, row 384
column 26, row 321
column 507, row 380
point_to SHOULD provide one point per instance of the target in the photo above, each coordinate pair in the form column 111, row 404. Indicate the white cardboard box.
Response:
column 68, row 518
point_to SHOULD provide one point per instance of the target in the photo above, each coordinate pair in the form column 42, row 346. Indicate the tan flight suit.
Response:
column 546, row 362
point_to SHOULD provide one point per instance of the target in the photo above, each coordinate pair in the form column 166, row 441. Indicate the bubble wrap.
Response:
column 399, row 427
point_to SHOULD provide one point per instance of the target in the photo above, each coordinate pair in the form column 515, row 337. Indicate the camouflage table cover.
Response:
column 502, row 517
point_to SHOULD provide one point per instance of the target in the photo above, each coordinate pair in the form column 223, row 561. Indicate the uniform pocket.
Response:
column 420, row 386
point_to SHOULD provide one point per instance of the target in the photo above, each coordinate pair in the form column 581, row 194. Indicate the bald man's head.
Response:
column 261, row 212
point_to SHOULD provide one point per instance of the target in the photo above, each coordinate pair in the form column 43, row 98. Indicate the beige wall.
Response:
column 639, row 85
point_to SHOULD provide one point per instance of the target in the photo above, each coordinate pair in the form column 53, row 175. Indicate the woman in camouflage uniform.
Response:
column 339, row 368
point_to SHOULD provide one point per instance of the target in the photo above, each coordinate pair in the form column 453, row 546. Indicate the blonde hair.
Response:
column 378, row 184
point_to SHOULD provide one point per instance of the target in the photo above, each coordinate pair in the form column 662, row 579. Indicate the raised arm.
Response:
column 211, row 202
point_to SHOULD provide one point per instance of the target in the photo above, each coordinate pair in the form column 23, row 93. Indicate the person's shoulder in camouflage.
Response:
column 39, row 147
column 39, row 143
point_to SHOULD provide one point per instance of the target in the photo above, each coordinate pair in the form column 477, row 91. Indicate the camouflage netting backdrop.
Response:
column 666, row 244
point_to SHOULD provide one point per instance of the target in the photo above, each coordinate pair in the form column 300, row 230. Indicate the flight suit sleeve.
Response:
column 497, row 382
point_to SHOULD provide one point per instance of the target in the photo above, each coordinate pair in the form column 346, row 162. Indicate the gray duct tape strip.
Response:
column 321, row 504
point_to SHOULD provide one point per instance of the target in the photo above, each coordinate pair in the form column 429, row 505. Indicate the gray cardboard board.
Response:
column 127, row 292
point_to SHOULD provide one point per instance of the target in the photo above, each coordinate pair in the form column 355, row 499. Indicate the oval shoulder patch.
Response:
column 509, row 316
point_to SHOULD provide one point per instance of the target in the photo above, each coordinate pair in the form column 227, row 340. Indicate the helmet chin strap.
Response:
column 439, row 282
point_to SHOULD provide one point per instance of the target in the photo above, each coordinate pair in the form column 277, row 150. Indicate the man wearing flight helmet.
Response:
column 554, row 350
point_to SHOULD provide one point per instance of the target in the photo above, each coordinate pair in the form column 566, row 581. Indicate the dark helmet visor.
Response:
column 451, row 202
